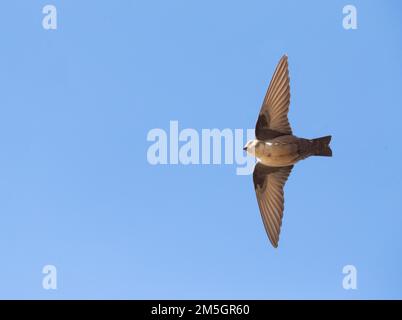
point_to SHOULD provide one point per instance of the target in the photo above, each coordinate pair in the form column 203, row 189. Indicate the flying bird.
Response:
column 277, row 150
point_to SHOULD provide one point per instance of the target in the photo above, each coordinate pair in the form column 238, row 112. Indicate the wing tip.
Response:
column 274, row 241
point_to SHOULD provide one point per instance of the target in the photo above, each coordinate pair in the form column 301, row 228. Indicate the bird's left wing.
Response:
column 273, row 117
column 268, row 184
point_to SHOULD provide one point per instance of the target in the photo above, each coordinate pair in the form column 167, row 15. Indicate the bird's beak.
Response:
column 245, row 148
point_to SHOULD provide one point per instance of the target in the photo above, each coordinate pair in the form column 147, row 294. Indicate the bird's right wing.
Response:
column 268, row 184
column 273, row 117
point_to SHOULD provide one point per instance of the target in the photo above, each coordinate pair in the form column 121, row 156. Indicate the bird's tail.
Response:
column 321, row 146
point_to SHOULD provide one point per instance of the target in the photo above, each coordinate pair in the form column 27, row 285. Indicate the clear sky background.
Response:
column 77, row 192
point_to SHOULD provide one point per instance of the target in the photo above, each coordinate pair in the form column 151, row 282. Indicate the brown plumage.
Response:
column 277, row 150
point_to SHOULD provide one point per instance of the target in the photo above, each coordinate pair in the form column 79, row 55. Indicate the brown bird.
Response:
column 277, row 150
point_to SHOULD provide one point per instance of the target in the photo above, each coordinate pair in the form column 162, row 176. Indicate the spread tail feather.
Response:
column 321, row 146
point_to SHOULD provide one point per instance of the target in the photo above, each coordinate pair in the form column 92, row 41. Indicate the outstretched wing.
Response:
column 273, row 117
column 268, row 184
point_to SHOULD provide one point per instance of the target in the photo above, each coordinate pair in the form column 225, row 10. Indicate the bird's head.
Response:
column 250, row 147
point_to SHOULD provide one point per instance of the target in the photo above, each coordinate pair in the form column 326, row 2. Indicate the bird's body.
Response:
column 277, row 150
column 285, row 150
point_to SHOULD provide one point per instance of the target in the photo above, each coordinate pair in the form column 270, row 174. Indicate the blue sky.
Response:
column 77, row 191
